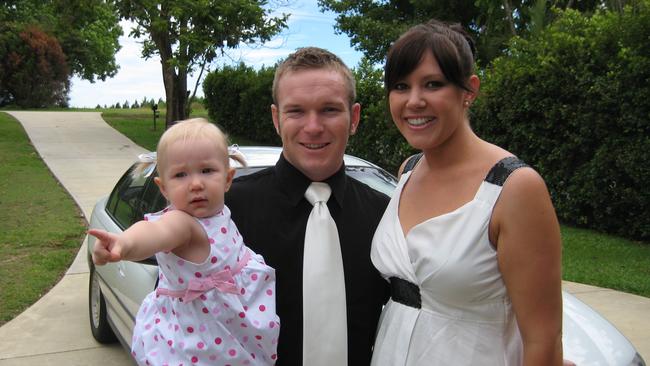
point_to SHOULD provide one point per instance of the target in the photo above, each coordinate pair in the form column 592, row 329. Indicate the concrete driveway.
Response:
column 88, row 157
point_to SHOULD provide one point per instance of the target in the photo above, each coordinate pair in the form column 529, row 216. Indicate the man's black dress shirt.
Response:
column 271, row 213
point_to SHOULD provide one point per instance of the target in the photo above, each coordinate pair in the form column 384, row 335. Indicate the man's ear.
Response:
column 275, row 114
column 355, row 117
column 229, row 177
column 161, row 186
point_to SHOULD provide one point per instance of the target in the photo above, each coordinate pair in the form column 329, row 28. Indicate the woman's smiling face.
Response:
column 425, row 107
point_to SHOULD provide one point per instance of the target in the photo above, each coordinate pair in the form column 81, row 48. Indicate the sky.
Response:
column 138, row 78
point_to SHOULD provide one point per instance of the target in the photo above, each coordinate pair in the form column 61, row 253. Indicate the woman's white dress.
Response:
column 466, row 317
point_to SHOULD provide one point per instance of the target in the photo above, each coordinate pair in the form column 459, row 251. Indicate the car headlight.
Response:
column 637, row 361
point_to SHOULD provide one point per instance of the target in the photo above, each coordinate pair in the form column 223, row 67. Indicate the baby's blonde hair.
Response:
column 190, row 130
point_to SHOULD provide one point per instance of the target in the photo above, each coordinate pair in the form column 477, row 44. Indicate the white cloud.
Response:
column 138, row 78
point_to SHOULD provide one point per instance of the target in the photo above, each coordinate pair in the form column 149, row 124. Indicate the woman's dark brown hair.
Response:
column 450, row 45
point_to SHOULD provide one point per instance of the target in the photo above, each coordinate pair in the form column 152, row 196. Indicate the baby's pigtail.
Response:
column 236, row 155
column 145, row 162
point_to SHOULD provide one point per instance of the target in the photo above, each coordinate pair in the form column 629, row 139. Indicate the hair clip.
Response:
column 147, row 158
column 233, row 149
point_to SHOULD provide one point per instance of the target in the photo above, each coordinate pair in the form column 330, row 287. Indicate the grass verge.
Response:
column 41, row 228
column 138, row 125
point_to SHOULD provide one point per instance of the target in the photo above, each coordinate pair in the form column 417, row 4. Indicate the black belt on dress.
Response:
column 405, row 292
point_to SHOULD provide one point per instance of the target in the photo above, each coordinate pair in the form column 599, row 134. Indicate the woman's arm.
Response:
column 144, row 238
column 529, row 250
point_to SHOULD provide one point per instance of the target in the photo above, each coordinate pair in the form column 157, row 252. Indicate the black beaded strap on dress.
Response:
column 405, row 292
column 502, row 170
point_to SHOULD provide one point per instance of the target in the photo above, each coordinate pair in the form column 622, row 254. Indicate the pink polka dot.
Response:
column 155, row 338
column 198, row 274
column 190, row 330
column 242, row 315
column 245, row 307
column 181, row 280
column 147, row 327
column 274, row 356
column 218, row 340
column 200, row 345
column 202, row 328
column 180, row 262
column 232, row 352
column 262, row 308
column 170, row 343
column 203, row 297
column 225, row 305
column 205, row 310
column 254, row 277
column 266, row 278
column 271, row 324
column 226, row 249
column 258, row 337
column 195, row 359
column 269, row 292
column 242, row 291
column 213, row 260
column 211, row 241
column 224, row 230
column 176, row 327
column 243, row 325
column 164, row 310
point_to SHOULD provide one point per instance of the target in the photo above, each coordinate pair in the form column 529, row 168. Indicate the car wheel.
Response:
column 97, row 310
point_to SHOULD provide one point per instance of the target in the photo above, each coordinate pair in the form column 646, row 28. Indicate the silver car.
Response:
column 117, row 289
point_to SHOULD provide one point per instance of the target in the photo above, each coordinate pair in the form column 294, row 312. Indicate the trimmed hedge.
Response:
column 574, row 103
column 239, row 100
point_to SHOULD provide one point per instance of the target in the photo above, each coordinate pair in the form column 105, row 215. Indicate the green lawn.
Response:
column 589, row 257
column 138, row 125
column 41, row 228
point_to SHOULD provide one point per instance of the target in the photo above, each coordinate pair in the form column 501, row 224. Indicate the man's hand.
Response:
column 107, row 248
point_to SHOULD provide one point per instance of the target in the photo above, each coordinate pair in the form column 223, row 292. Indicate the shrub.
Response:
column 573, row 102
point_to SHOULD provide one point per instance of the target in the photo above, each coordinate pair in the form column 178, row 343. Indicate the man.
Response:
column 314, row 112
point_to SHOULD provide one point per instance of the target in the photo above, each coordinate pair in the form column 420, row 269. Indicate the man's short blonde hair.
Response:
column 314, row 58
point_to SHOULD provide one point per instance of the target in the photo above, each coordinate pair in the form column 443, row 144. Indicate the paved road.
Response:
column 87, row 156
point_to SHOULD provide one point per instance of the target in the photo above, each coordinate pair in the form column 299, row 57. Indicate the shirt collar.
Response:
column 294, row 183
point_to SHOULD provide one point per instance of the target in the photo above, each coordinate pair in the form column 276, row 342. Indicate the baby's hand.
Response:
column 107, row 248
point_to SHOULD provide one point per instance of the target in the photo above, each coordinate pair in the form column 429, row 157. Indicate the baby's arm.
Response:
column 144, row 238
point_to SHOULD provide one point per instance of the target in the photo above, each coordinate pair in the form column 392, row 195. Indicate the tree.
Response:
column 373, row 25
column 87, row 30
column 188, row 35
column 33, row 69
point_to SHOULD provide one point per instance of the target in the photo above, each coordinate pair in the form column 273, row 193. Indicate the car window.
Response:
column 124, row 203
column 378, row 179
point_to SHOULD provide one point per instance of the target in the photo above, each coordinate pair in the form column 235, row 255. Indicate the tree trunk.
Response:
column 176, row 94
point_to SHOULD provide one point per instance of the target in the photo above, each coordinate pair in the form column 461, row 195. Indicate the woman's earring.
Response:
column 466, row 103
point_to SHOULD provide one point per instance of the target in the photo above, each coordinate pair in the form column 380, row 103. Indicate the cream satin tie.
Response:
column 324, row 339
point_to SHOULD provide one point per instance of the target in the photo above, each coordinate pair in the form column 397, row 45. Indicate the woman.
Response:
column 470, row 241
